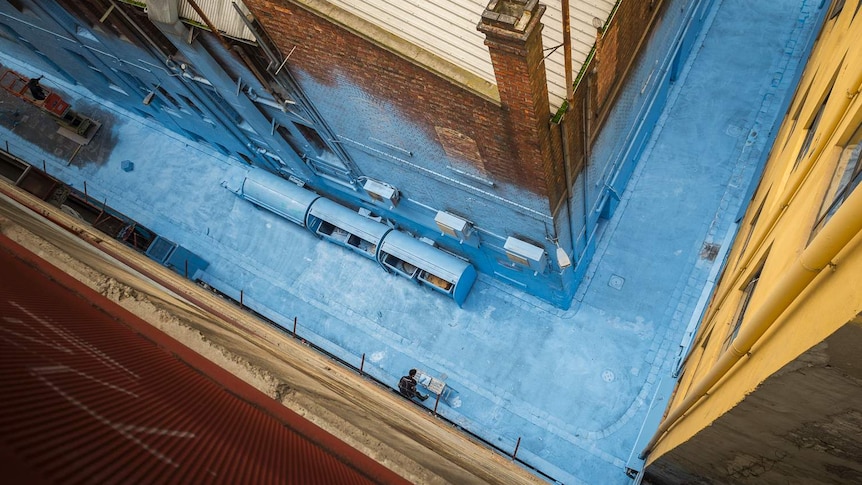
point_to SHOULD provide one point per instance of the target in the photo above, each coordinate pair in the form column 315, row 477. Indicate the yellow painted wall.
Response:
column 777, row 228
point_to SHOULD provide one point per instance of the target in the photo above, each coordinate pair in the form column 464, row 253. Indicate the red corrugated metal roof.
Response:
column 90, row 393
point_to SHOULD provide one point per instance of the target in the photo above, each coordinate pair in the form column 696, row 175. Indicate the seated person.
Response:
column 35, row 89
column 407, row 386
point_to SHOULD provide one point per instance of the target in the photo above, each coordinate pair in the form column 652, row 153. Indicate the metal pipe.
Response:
column 197, row 78
column 208, row 23
column 569, row 182
column 260, row 41
column 564, row 140
column 567, row 52
column 588, row 135
column 841, row 229
column 252, row 95
column 517, row 445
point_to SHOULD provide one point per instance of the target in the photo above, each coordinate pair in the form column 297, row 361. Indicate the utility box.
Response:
column 453, row 225
column 525, row 254
column 381, row 192
column 177, row 258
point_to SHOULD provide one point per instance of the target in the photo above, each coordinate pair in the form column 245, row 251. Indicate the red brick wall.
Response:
column 520, row 70
column 616, row 53
column 508, row 139
column 618, row 48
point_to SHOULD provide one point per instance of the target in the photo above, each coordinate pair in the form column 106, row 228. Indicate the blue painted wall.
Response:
column 336, row 133
column 597, row 191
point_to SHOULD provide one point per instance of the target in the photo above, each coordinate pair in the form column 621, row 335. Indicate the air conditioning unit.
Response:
column 525, row 254
column 381, row 191
column 453, row 225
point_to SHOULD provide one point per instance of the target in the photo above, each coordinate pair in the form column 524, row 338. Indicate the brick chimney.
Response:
column 513, row 34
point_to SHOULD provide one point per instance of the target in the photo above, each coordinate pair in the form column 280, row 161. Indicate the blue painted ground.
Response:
column 574, row 385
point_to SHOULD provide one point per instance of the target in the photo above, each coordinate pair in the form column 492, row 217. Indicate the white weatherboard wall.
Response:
column 447, row 28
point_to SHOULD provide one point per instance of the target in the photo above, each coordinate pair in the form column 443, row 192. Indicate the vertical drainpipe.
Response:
column 567, row 53
column 588, row 128
column 841, row 229
column 564, row 139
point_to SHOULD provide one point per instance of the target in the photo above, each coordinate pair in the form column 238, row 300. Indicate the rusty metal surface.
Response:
column 90, row 393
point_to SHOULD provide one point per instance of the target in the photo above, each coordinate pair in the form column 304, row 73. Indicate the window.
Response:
column 315, row 140
column 133, row 81
column 97, row 73
column 9, row 33
column 291, row 140
column 245, row 158
column 82, row 32
column 225, row 107
column 191, row 104
column 317, row 154
column 143, row 114
column 22, row 7
column 809, row 136
column 847, row 176
column 19, row 6
column 194, row 136
column 752, row 226
column 221, row 148
column 743, row 307
column 65, row 75
column 168, row 96
column 836, row 9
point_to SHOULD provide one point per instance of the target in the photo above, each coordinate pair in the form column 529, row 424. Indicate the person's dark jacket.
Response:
column 407, row 386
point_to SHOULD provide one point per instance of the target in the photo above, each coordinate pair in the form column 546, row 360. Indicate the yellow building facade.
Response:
column 771, row 391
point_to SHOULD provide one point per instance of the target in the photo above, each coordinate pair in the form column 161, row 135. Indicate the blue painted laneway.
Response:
column 573, row 385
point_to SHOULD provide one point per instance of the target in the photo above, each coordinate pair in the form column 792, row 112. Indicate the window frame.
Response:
column 841, row 186
column 837, row 8
column 742, row 308
column 810, row 131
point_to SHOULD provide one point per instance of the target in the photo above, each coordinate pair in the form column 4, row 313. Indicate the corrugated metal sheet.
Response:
column 85, row 397
column 447, row 28
column 221, row 13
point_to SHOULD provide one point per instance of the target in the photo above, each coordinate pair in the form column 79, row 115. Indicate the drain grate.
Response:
column 709, row 251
